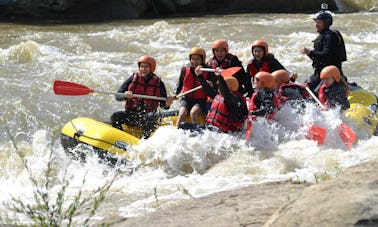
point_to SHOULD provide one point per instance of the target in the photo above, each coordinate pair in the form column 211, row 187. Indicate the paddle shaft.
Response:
column 134, row 95
column 75, row 89
column 188, row 91
column 314, row 97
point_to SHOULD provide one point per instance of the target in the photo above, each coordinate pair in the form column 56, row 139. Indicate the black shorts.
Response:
column 188, row 103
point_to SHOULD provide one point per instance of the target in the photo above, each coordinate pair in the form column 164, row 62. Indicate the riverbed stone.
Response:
column 350, row 199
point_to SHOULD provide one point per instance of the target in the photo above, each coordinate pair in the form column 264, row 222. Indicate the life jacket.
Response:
column 191, row 81
column 297, row 88
column 151, row 87
column 255, row 104
column 338, row 87
column 220, row 117
column 253, row 70
column 225, row 64
column 339, row 54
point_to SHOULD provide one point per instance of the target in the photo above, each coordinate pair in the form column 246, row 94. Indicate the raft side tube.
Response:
column 100, row 135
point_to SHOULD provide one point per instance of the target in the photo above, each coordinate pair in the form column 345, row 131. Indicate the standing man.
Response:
column 329, row 48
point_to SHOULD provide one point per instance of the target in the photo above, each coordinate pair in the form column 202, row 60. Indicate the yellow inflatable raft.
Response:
column 363, row 109
column 111, row 144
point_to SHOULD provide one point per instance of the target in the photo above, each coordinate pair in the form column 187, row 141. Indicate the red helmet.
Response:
column 221, row 44
column 148, row 59
column 261, row 43
column 266, row 80
column 330, row 71
column 282, row 76
column 199, row 51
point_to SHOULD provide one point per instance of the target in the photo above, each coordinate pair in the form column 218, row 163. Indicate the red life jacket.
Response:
column 253, row 70
column 219, row 116
column 322, row 95
column 141, row 86
column 226, row 63
column 191, row 81
column 276, row 103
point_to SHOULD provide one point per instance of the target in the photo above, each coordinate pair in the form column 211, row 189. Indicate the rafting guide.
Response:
column 329, row 48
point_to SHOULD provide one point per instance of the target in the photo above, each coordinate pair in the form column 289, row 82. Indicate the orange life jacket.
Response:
column 151, row 87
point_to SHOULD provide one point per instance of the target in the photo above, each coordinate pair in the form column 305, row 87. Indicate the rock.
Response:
column 349, row 200
column 130, row 9
column 164, row 6
column 249, row 206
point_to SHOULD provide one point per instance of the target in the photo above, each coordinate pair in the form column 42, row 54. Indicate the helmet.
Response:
column 220, row 43
column 282, row 76
column 232, row 83
column 148, row 59
column 261, row 43
column 199, row 51
column 266, row 80
column 330, row 71
column 324, row 16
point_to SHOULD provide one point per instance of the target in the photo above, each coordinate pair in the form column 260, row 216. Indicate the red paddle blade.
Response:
column 249, row 130
column 316, row 133
column 69, row 88
column 230, row 71
column 347, row 135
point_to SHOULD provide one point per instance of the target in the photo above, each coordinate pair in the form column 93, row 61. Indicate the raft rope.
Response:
column 80, row 133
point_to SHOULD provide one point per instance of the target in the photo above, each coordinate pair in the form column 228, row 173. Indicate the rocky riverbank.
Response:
column 94, row 10
column 348, row 200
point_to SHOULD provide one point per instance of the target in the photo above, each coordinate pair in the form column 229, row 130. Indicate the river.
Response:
column 102, row 55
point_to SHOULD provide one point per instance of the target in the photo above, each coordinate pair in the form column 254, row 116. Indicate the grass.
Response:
column 49, row 208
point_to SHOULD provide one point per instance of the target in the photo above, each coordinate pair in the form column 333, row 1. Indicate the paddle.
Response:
column 249, row 123
column 345, row 132
column 74, row 89
column 224, row 72
column 316, row 133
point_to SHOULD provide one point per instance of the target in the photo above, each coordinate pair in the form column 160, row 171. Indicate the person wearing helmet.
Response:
column 228, row 109
column 138, row 111
column 329, row 49
column 262, row 60
column 193, row 103
column 287, row 90
column 223, row 59
column 334, row 90
column 264, row 102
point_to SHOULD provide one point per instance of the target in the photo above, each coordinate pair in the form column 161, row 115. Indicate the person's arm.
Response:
column 210, row 91
column 180, row 83
column 163, row 93
column 124, row 87
column 244, row 79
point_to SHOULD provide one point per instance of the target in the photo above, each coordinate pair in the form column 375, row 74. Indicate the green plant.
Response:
column 185, row 191
column 45, row 211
